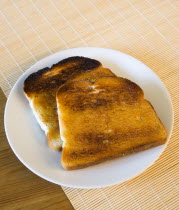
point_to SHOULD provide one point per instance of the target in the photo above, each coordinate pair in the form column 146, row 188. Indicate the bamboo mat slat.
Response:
column 148, row 30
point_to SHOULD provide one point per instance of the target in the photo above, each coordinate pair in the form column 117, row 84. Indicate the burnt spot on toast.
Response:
column 48, row 78
column 120, row 92
column 86, row 63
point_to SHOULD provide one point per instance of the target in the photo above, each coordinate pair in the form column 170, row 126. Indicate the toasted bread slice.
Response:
column 41, row 86
column 105, row 119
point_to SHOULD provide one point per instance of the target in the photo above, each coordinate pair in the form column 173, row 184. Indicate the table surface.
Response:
column 19, row 187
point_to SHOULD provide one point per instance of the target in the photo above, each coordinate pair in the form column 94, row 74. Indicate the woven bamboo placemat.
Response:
column 33, row 29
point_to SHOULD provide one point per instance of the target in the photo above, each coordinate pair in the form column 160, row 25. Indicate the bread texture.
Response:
column 40, row 89
column 105, row 119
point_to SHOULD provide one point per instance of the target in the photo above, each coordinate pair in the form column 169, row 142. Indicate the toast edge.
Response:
column 129, row 152
column 53, row 144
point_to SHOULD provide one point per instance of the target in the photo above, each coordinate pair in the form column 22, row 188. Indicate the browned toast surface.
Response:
column 41, row 87
column 105, row 119
column 50, row 78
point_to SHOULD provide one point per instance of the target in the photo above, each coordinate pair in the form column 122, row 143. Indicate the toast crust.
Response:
column 128, row 152
column 40, row 88
column 105, row 119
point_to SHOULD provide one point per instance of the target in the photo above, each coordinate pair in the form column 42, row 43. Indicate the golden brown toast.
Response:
column 41, row 86
column 105, row 119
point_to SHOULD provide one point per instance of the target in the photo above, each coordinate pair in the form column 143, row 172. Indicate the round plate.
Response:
column 28, row 141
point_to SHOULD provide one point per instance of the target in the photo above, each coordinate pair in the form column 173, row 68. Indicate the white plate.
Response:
column 28, row 141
